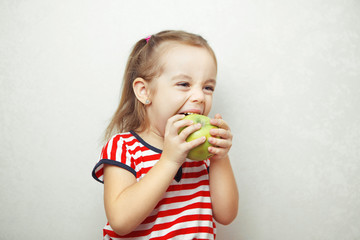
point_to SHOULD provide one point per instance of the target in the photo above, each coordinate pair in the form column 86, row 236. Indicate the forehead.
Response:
column 183, row 57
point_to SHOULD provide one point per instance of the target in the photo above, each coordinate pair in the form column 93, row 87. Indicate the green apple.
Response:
column 200, row 152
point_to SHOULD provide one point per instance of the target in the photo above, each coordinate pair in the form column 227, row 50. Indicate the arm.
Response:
column 127, row 202
column 223, row 188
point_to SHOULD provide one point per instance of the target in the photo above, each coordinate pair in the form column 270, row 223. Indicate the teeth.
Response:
column 187, row 113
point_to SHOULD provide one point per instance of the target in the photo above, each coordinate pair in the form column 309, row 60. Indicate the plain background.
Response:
column 288, row 85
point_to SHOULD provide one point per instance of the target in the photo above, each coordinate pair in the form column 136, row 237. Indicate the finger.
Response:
column 222, row 143
column 218, row 116
column 194, row 143
column 219, row 122
column 217, row 151
column 188, row 130
column 183, row 123
column 171, row 121
column 222, row 133
column 175, row 118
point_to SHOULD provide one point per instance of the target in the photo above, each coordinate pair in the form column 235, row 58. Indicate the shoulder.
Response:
column 116, row 152
column 122, row 137
column 117, row 141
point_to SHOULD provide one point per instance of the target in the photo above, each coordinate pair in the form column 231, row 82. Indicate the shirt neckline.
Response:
column 145, row 143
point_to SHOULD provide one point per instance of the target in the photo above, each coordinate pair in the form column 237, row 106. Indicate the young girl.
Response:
column 151, row 190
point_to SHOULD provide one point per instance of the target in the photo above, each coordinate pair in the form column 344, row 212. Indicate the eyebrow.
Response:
column 181, row 76
column 184, row 76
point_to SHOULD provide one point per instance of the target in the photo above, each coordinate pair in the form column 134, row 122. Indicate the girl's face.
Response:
column 187, row 84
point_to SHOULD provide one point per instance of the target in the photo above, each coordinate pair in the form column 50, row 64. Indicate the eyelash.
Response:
column 210, row 88
column 183, row 84
column 186, row 84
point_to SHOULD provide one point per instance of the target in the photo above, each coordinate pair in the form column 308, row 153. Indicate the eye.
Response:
column 209, row 88
column 183, row 84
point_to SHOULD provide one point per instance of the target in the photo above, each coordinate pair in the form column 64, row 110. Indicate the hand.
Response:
column 175, row 146
column 221, row 138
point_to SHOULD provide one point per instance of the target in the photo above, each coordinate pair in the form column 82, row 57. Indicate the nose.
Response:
column 197, row 95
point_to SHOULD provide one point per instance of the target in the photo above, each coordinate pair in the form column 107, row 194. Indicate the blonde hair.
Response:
column 143, row 62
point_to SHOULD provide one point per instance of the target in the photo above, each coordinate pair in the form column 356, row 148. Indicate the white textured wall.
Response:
column 288, row 84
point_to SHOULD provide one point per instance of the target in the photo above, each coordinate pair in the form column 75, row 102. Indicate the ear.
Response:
column 141, row 90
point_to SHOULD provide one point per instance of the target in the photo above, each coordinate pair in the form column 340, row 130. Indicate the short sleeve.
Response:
column 207, row 164
column 114, row 153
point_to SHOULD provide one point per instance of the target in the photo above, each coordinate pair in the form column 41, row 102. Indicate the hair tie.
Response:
column 148, row 38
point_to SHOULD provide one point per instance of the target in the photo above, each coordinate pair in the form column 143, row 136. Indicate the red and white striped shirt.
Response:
column 185, row 211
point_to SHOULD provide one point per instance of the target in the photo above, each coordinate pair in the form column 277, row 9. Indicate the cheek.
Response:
column 173, row 99
column 208, row 105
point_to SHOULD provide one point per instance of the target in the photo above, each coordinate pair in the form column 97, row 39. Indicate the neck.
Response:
column 152, row 137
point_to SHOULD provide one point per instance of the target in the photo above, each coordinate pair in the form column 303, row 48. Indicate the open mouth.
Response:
column 189, row 113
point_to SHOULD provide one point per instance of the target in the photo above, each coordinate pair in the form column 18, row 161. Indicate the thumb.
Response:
column 218, row 116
